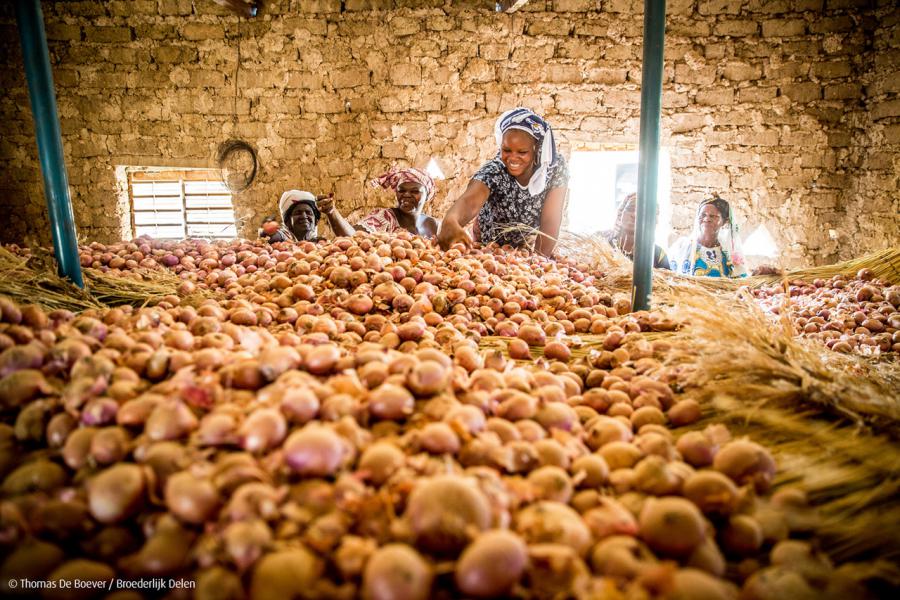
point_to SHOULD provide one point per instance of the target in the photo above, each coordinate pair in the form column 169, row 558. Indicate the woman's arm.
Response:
column 339, row 224
column 551, row 217
column 461, row 213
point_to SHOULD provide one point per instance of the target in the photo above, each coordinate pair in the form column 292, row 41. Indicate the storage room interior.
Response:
column 212, row 413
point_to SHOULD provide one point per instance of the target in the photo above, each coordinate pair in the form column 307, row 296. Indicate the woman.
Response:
column 622, row 237
column 299, row 215
column 714, row 249
column 525, row 184
column 413, row 188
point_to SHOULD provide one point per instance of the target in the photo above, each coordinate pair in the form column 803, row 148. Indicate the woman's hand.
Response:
column 766, row 270
column 452, row 233
column 325, row 203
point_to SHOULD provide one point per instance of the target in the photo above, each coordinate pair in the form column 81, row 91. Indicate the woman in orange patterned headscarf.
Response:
column 413, row 187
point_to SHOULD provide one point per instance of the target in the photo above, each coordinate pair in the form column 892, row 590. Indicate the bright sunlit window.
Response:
column 598, row 182
column 760, row 243
column 434, row 170
column 178, row 203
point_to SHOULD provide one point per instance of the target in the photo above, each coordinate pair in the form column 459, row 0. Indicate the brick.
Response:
column 884, row 109
column 403, row 26
column 352, row 5
column 493, row 51
column 802, row 92
column 592, row 27
column 107, row 35
column 771, row 7
column 631, row 7
column 175, row 7
column 685, row 73
column 718, row 7
column 839, row 139
column 609, row 76
column 715, row 97
column 63, row 32
column 533, row 54
column 479, row 70
column 304, row 80
column 578, row 48
column 681, row 123
column 622, row 52
column 575, row 102
column 461, row 102
column 688, row 29
column 787, row 70
column 832, row 69
column 574, row 5
column 783, row 28
column 563, row 74
column 349, row 78
column 202, row 31
column 406, row 74
column 320, row 6
column 622, row 98
column 843, row 91
column 440, row 23
column 841, row 24
column 323, row 103
column 736, row 71
column 550, row 27
column 756, row 95
column 207, row 79
column 736, row 28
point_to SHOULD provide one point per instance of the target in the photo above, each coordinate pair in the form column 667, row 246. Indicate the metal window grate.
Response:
column 175, row 204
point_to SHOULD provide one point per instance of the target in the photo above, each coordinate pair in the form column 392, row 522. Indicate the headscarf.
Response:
column 393, row 177
column 528, row 121
column 293, row 197
column 728, row 237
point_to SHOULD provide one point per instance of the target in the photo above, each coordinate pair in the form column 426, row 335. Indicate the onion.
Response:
column 264, row 429
column 397, row 571
column 672, row 526
column 441, row 512
column 315, row 451
column 287, row 573
column 116, row 493
column 390, row 402
column 555, row 523
column 491, row 565
column 191, row 499
column 746, row 463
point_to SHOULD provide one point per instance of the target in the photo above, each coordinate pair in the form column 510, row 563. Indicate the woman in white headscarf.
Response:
column 299, row 216
column 525, row 184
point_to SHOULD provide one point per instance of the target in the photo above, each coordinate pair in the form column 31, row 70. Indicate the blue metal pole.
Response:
column 49, row 139
column 648, row 161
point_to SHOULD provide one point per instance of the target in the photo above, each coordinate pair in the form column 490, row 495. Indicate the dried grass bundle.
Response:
column 732, row 347
column 36, row 282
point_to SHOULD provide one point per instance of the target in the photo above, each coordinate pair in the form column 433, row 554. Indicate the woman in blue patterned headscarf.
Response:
column 525, row 184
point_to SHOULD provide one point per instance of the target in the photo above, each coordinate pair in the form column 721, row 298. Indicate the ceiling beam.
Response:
column 510, row 5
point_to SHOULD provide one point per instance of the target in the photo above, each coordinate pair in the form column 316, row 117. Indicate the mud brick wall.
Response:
column 790, row 108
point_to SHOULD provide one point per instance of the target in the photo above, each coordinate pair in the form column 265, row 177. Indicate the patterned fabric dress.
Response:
column 380, row 220
column 705, row 262
column 510, row 204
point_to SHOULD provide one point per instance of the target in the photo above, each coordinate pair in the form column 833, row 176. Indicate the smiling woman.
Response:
column 714, row 248
column 413, row 188
column 525, row 184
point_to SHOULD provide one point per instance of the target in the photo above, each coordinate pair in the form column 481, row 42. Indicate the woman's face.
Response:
column 410, row 197
column 303, row 221
column 517, row 151
column 710, row 220
column 627, row 217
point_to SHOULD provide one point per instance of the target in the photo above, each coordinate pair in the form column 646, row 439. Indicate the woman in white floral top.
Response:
column 525, row 184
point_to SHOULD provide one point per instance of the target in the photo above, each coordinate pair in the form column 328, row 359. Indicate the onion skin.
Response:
column 672, row 526
column 746, row 463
